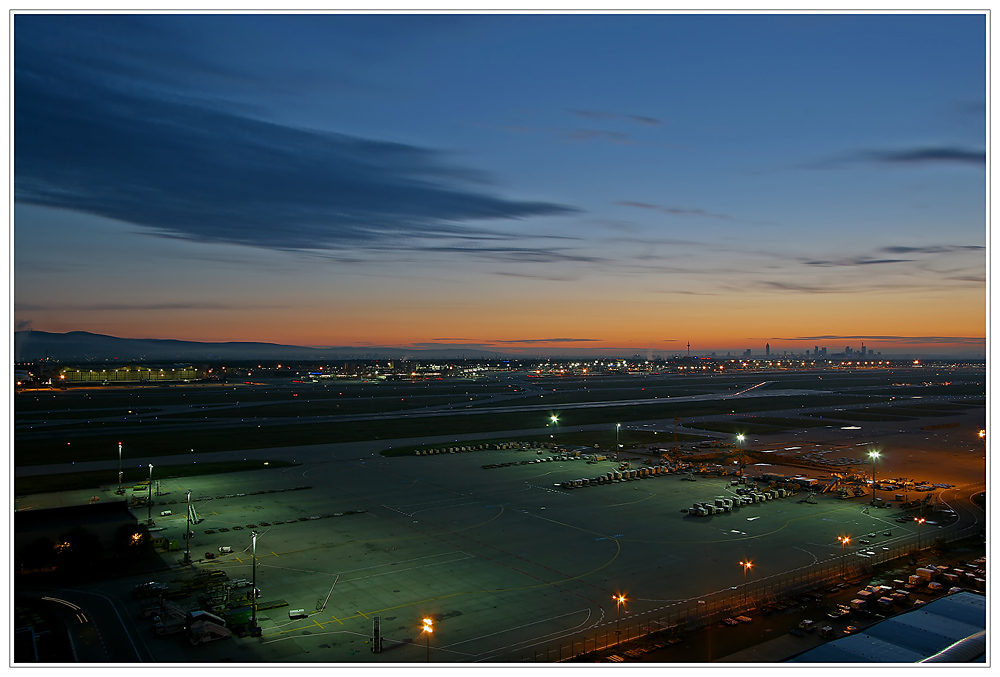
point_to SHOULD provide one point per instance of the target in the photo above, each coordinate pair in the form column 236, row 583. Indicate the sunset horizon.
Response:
column 492, row 182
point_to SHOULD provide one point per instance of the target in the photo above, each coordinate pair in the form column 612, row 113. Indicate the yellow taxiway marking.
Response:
column 274, row 553
column 320, row 624
column 336, row 619
column 362, row 613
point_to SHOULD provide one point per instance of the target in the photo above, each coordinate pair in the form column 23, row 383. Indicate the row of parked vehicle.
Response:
column 507, row 464
column 616, row 476
column 723, row 504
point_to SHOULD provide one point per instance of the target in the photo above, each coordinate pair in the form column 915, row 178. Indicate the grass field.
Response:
column 100, row 440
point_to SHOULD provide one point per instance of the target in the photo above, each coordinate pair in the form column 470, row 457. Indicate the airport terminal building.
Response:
column 136, row 373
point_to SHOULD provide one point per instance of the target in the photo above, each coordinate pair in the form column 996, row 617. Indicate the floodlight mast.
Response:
column 427, row 630
column 187, row 533
column 149, row 501
column 253, row 589
column 873, row 455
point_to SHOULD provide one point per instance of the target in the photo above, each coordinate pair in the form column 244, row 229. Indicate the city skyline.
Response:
column 498, row 183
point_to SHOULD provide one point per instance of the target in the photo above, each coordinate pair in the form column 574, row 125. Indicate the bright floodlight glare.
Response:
column 555, row 418
column 873, row 454
column 740, row 437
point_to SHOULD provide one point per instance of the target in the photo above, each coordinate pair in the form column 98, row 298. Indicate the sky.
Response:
column 523, row 184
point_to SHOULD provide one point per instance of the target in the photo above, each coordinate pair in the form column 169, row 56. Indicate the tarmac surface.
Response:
column 507, row 564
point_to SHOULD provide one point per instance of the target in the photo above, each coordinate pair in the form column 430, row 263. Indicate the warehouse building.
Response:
column 136, row 373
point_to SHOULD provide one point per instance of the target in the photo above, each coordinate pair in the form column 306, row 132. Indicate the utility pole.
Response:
column 254, row 630
column 187, row 532
column 149, row 500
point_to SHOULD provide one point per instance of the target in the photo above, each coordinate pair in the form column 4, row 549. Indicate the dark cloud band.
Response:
column 85, row 142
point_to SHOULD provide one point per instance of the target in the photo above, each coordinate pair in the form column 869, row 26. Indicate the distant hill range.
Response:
column 81, row 346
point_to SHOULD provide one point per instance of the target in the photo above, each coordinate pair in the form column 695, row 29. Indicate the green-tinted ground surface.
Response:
column 132, row 476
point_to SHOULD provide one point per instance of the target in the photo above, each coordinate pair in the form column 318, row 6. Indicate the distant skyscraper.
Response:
column 767, row 350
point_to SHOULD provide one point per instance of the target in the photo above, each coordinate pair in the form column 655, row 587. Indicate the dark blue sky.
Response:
column 622, row 181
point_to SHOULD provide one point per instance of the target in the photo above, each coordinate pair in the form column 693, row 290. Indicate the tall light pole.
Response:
column 120, row 469
column 253, row 583
column 554, row 422
column 747, row 565
column 427, row 630
column 844, row 540
column 740, row 438
column 620, row 599
column 618, row 446
column 187, row 532
column 873, row 455
column 149, row 501
column 919, row 521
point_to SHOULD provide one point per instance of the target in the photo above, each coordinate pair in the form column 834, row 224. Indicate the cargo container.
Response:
column 238, row 616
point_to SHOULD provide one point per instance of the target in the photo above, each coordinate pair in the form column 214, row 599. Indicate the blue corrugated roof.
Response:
column 907, row 637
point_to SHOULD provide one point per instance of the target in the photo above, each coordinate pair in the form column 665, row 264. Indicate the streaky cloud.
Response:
column 941, row 154
column 858, row 261
column 87, row 142
column 547, row 340
column 943, row 249
column 537, row 276
column 138, row 307
column 971, row 340
column 679, row 211
column 919, row 156
column 608, row 115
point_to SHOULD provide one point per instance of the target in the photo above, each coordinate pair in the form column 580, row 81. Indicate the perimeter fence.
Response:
column 672, row 622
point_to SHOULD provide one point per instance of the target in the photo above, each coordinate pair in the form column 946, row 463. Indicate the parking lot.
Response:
column 501, row 559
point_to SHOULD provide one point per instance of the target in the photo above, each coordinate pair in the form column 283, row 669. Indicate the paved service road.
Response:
column 95, row 624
